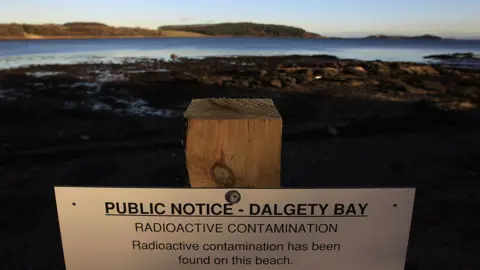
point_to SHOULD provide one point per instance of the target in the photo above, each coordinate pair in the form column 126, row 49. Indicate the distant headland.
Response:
column 72, row 30
column 97, row 30
column 242, row 29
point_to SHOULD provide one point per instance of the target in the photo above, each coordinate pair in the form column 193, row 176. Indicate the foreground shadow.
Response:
column 328, row 142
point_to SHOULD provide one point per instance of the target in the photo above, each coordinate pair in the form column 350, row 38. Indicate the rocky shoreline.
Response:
column 346, row 123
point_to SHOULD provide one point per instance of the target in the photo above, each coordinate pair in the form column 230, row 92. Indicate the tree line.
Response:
column 73, row 29
column 241, row 29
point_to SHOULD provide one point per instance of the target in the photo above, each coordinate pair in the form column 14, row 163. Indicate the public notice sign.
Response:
column 154, row 229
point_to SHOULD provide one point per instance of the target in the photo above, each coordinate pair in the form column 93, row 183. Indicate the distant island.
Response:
column 85, row 30
column 431, row 37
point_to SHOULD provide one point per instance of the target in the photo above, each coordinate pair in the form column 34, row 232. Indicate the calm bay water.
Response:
column 37, row 52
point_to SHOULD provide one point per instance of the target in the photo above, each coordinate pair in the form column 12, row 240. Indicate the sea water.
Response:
column 39, row 52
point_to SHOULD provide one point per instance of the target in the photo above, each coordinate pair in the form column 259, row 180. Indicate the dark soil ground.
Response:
column 346, row 124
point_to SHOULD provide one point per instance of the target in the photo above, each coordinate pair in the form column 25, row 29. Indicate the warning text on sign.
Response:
column 200, row 229
column 217, row 209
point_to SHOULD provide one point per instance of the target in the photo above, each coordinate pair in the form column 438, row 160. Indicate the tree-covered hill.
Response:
column 243, row 29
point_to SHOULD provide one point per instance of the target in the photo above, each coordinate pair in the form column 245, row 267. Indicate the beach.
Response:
column 346, row 123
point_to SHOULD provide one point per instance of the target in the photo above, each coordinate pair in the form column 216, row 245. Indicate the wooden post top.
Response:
column 225, row 109
column 233, row 143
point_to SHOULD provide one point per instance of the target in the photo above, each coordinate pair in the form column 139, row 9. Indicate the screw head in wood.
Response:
column 233, row 197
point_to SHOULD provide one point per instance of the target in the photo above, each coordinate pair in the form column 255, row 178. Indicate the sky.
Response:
column 342, row 18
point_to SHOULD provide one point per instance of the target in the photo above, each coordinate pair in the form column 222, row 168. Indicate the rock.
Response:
column 356, row 70
column 383, row 72
column 380, row 69
column 265, row 80
column 420, row 70
column 372, row 82
column 228, row 84
column 448, row 71
column 302, row 79
column 251, row 80
column 220, row 80
column 473, row 91
column 124, row 93
column 332, row 130
column 395, row 65
column 276, row 83
column 329, row 72
column 411, row 89
column 457, row 105
column 184, row 76
column 355, row 83
column 408, row 88
column 304, row 75
column 255, row 73
column 380, row 65
column 289, row 81
column 401, row 87
column 465, row 80
column 282, row 75
column 204, row 79
column 435, row 86
column 340, row 64
column 242, row 83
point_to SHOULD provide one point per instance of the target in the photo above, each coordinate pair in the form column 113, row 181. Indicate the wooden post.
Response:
column 233, row 143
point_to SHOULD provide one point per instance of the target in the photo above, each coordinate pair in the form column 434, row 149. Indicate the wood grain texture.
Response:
column 221, row 108
column 224, row 149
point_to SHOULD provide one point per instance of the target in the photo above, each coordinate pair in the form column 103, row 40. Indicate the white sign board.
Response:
column 155, row 229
